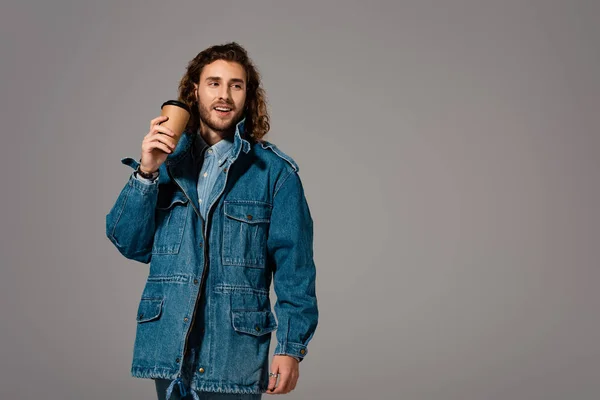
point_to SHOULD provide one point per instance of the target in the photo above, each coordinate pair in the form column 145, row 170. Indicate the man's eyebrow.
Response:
column 218, row 78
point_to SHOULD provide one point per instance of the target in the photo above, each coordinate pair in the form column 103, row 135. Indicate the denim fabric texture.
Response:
column 213, row 165
column 212, row 263
column 172, row 390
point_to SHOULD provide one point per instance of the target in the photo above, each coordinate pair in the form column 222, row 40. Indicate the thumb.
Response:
column 273, row 379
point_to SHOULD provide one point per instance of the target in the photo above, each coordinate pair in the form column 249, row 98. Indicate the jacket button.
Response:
column 257, row 328
column 195, row 281
column 225, row 169
column 186, row 319
column 141, row 316
column 249, row 216
column 177, row 360
column 201, row 370
column 200, row 244
column 302, row 351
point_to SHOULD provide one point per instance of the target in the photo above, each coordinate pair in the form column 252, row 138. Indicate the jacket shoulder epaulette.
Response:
column 265, row 144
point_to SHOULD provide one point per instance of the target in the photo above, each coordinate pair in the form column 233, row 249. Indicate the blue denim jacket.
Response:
column 258, row 229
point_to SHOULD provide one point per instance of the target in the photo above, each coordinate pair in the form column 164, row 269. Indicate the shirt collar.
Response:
column 224, row 148
column 220, row 150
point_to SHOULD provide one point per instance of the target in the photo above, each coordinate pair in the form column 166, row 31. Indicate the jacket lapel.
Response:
column 184, row 169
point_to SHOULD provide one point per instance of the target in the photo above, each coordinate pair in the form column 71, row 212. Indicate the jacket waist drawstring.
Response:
column 182, row 391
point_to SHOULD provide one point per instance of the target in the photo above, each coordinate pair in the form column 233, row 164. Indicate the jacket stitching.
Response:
column 284, row 180
column 112, row 233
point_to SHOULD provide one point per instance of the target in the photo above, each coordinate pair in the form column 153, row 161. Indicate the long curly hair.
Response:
column 257, row 116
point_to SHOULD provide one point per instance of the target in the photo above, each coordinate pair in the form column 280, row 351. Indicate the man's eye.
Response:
column 238, row 86
column 213, row 83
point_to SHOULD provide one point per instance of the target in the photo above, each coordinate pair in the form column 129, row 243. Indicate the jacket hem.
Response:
column 154, row 372
column 219, row 387
column 202, row 386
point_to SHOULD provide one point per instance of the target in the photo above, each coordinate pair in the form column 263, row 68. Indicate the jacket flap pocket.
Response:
column 168, row 200
column 149, row 309
column 248, row 211
column 254, row 322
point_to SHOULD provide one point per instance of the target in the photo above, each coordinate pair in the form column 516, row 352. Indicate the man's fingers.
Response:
column 273, row 379
column 284, row 382
column 155, row 144
column 164, row 129
column 169, row 141
column 157, row 120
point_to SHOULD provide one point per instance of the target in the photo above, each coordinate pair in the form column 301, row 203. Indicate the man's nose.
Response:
column 224, row 92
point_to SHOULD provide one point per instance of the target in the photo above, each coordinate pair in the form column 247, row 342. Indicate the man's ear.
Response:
column 195, row 91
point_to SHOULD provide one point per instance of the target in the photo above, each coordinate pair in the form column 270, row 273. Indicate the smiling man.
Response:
column 222, row 94
column 218, row 214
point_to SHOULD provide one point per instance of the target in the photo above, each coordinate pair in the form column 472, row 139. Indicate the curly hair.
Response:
column 257, row 116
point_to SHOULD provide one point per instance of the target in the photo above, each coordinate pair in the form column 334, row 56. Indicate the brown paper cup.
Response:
column 178, row 114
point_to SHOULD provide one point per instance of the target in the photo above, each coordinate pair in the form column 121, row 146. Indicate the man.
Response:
column 218, row 215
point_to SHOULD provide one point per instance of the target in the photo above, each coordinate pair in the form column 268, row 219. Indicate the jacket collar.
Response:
column 184, row 170
column 188, row 144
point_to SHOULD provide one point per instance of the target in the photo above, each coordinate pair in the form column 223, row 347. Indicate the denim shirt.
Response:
column 212, row 261
column 214, row 163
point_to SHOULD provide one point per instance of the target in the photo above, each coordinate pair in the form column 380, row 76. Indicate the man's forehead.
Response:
column 222, row 69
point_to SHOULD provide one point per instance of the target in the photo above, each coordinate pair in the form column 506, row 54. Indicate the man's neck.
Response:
column 211, row 137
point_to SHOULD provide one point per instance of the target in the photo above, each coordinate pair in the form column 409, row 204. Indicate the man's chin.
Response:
column 221, row 124
column 224, row 124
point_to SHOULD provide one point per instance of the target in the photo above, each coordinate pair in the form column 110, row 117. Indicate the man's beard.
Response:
column 215, row 123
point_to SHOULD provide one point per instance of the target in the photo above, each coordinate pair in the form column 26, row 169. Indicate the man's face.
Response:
column 222, row 84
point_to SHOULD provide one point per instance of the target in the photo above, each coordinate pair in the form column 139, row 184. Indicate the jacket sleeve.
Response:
column 290, row 254
column 130, row 222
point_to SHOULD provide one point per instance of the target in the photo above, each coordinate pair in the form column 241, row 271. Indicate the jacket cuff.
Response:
column 296, row 350
column 147, row 181
column 142, row 185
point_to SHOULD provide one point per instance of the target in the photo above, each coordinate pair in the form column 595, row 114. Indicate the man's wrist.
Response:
column 147, row 174
column 289, row 355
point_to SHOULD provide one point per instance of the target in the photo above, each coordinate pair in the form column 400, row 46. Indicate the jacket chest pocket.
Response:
column 245, row 229
column 171, row 217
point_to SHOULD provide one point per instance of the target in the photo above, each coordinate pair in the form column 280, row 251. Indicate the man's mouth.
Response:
column 222, row 110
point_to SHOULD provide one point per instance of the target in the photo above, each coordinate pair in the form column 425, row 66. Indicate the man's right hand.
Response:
column 157, row 145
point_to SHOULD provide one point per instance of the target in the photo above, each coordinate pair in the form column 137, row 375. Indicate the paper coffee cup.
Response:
column 179, row 115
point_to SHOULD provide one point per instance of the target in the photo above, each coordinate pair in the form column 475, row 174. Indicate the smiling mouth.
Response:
column 222, row 108
column 222, row 111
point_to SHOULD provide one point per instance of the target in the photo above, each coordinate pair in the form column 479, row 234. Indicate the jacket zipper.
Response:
column 204, row 246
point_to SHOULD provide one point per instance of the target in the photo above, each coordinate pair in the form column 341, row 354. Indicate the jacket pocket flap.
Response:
column 149, row 309
column 254, row 322
column 169, row 200
column 248, row 211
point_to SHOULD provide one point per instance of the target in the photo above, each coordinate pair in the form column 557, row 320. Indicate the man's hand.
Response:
column 287, row 367
column 157, row 145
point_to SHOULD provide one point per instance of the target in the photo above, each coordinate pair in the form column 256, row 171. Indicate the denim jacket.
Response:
column 258, row 229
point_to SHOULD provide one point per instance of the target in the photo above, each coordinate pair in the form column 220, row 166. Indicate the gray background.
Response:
column 449, row 152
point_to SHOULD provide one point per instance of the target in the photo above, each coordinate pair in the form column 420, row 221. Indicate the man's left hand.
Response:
column 289, row 371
